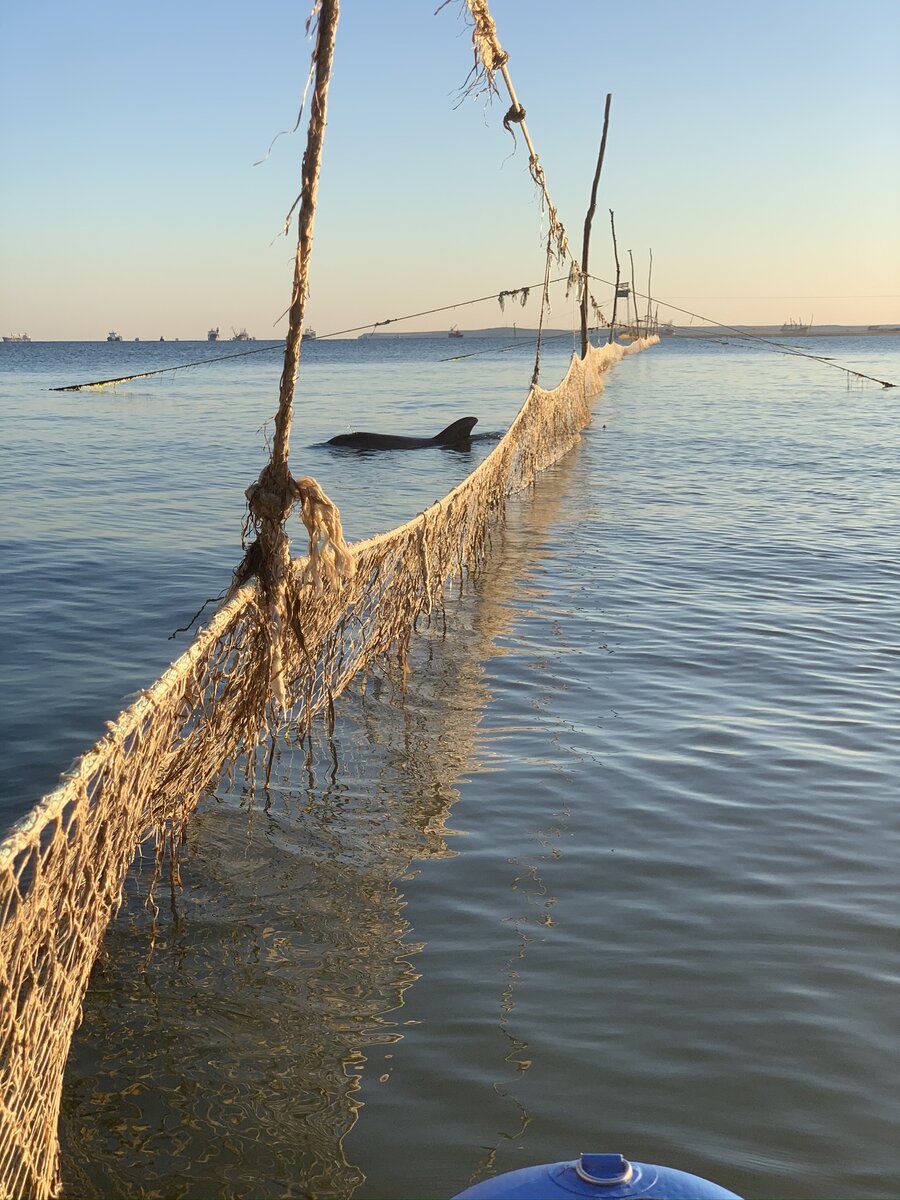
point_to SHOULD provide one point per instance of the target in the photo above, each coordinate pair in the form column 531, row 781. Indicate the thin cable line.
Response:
column 373, row 325
column 200, row 362
column 780, row 346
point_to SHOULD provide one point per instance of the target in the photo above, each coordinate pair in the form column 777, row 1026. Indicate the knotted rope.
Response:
column 273, row 496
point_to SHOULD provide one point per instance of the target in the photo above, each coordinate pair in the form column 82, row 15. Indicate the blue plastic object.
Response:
column 601, row 1176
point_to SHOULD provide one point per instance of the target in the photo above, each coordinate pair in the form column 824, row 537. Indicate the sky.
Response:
column 753, row 148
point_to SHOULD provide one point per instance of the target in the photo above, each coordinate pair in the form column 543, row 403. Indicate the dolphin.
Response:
column 455, row 435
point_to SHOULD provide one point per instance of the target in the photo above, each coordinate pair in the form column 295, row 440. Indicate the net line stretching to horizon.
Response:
column 288, row 640
column 62, row 868
column 278, row 344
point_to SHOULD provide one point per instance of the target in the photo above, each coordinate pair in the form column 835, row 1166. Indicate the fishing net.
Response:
column 63, row 867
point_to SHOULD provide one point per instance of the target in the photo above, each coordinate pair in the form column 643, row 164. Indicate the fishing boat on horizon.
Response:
column 241, row 335
column 309, row 334
column 212, row 335
column 112, row 336
column 16, row 337
column 797, row 327
column 455, row 332
column 630, row 333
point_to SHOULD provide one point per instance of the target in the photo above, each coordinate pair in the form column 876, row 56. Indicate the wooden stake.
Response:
column 587, row 231
column 649, row 293
column 634, row 321
column 612, row 324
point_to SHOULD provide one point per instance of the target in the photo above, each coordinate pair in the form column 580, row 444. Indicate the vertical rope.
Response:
column 275, row 493
column 309, row 185
column 494, row 58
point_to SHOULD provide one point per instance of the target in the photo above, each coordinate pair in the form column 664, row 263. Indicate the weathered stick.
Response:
column 649, row 293
column 612, row 324
column 635, row 320
column 587, row 230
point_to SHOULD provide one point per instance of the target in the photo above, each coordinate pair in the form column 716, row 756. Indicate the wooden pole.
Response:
column 612, row 324
column 635, row 320
column 649, row 293
column 587, row 231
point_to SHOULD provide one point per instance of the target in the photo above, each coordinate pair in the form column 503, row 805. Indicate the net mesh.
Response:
column 63, row 867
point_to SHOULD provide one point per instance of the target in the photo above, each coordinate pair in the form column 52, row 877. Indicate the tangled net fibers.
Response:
column 63, row 867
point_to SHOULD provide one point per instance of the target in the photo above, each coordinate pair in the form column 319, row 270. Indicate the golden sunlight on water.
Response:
column 280, row 970
column 612, row 869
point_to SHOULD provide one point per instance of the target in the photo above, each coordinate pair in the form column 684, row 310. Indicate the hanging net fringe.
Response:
column 490, row 60
column 62, row 869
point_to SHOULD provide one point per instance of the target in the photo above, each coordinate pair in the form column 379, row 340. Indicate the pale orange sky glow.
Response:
column 752, row 150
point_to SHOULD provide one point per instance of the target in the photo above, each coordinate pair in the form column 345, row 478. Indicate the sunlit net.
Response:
column 62, row 869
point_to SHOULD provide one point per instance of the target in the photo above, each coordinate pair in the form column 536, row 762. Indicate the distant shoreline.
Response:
column 684, row 331
column 775, row 331
column 680, row 333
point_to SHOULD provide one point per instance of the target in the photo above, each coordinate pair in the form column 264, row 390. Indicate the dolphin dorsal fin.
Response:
column 457, row 431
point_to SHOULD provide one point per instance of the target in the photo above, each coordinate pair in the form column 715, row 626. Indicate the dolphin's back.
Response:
column 378, row 441
column 456, row 434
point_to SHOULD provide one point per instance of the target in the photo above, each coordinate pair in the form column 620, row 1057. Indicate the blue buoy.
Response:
column 602, row 1176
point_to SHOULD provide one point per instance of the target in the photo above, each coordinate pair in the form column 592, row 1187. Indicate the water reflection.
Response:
column 232, row 1064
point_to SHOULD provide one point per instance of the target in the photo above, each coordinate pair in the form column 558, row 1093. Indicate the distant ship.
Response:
column 656, row 326
column 309, row 334
column 241, row 336
column 794, row 328
column 16, row 337
column 212, row 335
column 630, row 333
column 112, row 336
column 455, row 331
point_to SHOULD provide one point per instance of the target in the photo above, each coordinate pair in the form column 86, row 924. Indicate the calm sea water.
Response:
column 615, row 869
